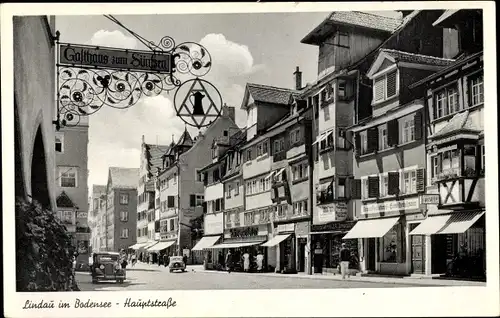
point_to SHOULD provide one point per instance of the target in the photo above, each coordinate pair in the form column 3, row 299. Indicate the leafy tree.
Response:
column 44, row 253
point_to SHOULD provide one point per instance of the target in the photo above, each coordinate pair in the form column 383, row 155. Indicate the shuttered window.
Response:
column 192, row 200
column 391, row 84
column 171, row 201
column 373, row 187
column 392, row 132
column 421, row 180
column 372, row 139
column 379, row 89
column 393, row 183
column 355, row 189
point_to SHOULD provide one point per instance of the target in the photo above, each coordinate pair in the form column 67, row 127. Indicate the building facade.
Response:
column 97, row 198
column 121, row 208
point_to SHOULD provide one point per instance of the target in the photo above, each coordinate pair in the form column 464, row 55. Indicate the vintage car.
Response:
column 106, row 266
column 176, row 263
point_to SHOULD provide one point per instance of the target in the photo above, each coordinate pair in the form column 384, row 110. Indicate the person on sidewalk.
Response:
column 260, row 261
column 229, row 261
column 246, row 261
column 345, row 255
column 134, row 259
column 185, row 260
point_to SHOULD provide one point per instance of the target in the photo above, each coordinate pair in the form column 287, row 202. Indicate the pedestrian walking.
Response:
column 229, row 261
column 185, row 259
column 345, row 255
column 165, row 259
column 260, row 261
column 246, row 261
column 134, row 260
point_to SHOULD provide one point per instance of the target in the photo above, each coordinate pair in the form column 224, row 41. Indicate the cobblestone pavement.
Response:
column 154, row 277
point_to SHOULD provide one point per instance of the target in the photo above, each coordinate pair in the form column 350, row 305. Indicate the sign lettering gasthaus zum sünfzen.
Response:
column 390, row 206
column 113, row 58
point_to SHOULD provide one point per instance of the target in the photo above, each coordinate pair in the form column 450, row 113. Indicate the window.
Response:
column 482, row 158
column 341, row 188
column 254, row 186
column 341, row 91
column 446, row 102
column 391, row 245
column 385, row 86
column 226, row 133
column 364, row 187
column 341, row 141
column 410, row 182
column 215, row 175
column 123, row 198
column 363, row 142
column 59, row 142
column 248, row 190
column 175, row 178
column 124, row 216
column 200, row 199
column 214, row 152
column 171, row 223
column 408, row 130
column 476, row 90
column 67, row 177
column 228, row 191
column 279, row 145
column 382, row 135
column 124, row 233
column 237, row 189
column 295, row 136
column 249, row 154
column 384, row 186
column 198, row 176
column 228, row 218
column 469, row 160
column 249, row 218
column 171, row 201
column 217, row 206
column 342, row 39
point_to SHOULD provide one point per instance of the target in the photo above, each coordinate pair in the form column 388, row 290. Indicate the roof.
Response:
column 447, row 14
column 417, row 58
column 124, row 178
column 185, row 139
column 354, row 19
column 460, row 122
column 156, row 152
column 97, row 189
column 63, row 201
column 270, row 94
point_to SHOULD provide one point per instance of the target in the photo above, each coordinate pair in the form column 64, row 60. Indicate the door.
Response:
column 417, row 251
column 371, row 254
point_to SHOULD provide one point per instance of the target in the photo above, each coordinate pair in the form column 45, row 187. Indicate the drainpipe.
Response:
column 310, row 157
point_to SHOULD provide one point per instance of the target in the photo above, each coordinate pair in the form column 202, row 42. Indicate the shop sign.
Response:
column 244, row 231
column 334, row 226
column 302, row 228
column 290, row 227
column 213, row 223
column 81, row 215
column 429, row 199
column 332, row 212
column 390, row 206
column 113, row 58
column 263, row 230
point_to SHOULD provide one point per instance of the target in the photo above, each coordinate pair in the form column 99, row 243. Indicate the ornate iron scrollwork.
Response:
column 85, row 90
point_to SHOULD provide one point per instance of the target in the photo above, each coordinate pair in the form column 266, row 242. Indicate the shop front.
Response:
column 240, row 241
column 383, row 232
column 302, row 230
column 213, row 229
column 285, row 244
column 159, row 250
column 456, row 243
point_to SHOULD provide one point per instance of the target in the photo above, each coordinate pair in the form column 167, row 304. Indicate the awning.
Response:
column 236, row 245
column 161, row 246
column 206, row 242
column 323, row 136
column 371, row 228
column 276, row 240
column 149, row 244
column 137, row 246
column 270, row 175
column 457, row 222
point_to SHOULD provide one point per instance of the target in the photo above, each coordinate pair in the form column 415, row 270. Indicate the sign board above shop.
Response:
column 111, row 58
column 333, row 227
column 391, row 206
column 429, row 199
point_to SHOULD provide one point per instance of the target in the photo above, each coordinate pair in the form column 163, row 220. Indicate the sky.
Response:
column 259, row 48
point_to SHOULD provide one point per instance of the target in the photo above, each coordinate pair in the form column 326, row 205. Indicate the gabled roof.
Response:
column 156, row 152
column 461, row 122
column 124, row 178
column 447, row 14
column 268, row 94
column 185, row 139
column 63, row 201
column 353, row 19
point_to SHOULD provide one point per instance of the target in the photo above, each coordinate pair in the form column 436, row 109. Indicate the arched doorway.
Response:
column 39, row 184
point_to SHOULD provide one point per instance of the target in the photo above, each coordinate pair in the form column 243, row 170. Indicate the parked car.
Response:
column 106, row 266
column 176, row 263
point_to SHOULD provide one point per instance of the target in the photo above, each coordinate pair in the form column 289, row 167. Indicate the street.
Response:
column 152, row 277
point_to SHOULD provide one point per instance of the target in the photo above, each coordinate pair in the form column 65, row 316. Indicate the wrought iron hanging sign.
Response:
column 90, row 77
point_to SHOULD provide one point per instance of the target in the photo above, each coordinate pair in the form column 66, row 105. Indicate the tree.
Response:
column 44, row 253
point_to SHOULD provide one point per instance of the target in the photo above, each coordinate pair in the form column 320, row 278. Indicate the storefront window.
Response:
column 392, row 246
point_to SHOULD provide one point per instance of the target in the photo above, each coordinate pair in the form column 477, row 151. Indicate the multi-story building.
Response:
column 223, row 193
column 121, row 208
column 95, row 201
column 151, row 160
column 454, row 105
column 101, row 223
column 181, row 189
column 71, row 184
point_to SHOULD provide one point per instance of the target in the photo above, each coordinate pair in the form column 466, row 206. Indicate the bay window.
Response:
column 469, row 160
column 476, row 88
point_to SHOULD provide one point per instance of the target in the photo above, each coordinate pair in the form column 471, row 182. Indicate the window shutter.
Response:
column 419, row 125
column 393, row 183
column 378, row 89
column 372, row 138
column 373, row 187
column 357, row 141
column 391, row 84
column 222, row 205
column 217, row 205
column 204, row 205
column 421, row 180
column 392, row 132
column 192, row 200
column 157, row 226
column 355, row 188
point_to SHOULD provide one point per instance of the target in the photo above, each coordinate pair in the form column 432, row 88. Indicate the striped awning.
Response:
column 161, row 246
column 454, row 223
column 373, row 228
column 206, row 242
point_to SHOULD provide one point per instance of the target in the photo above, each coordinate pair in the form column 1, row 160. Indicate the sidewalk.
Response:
column 386, row 280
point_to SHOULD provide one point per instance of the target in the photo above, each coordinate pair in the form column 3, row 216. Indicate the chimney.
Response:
column 142, row 138
column 228, row 111
column 298, row 78
column 405, row 12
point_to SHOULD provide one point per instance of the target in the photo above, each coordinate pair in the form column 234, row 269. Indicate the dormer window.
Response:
column 385, row 86
column 214, row 152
